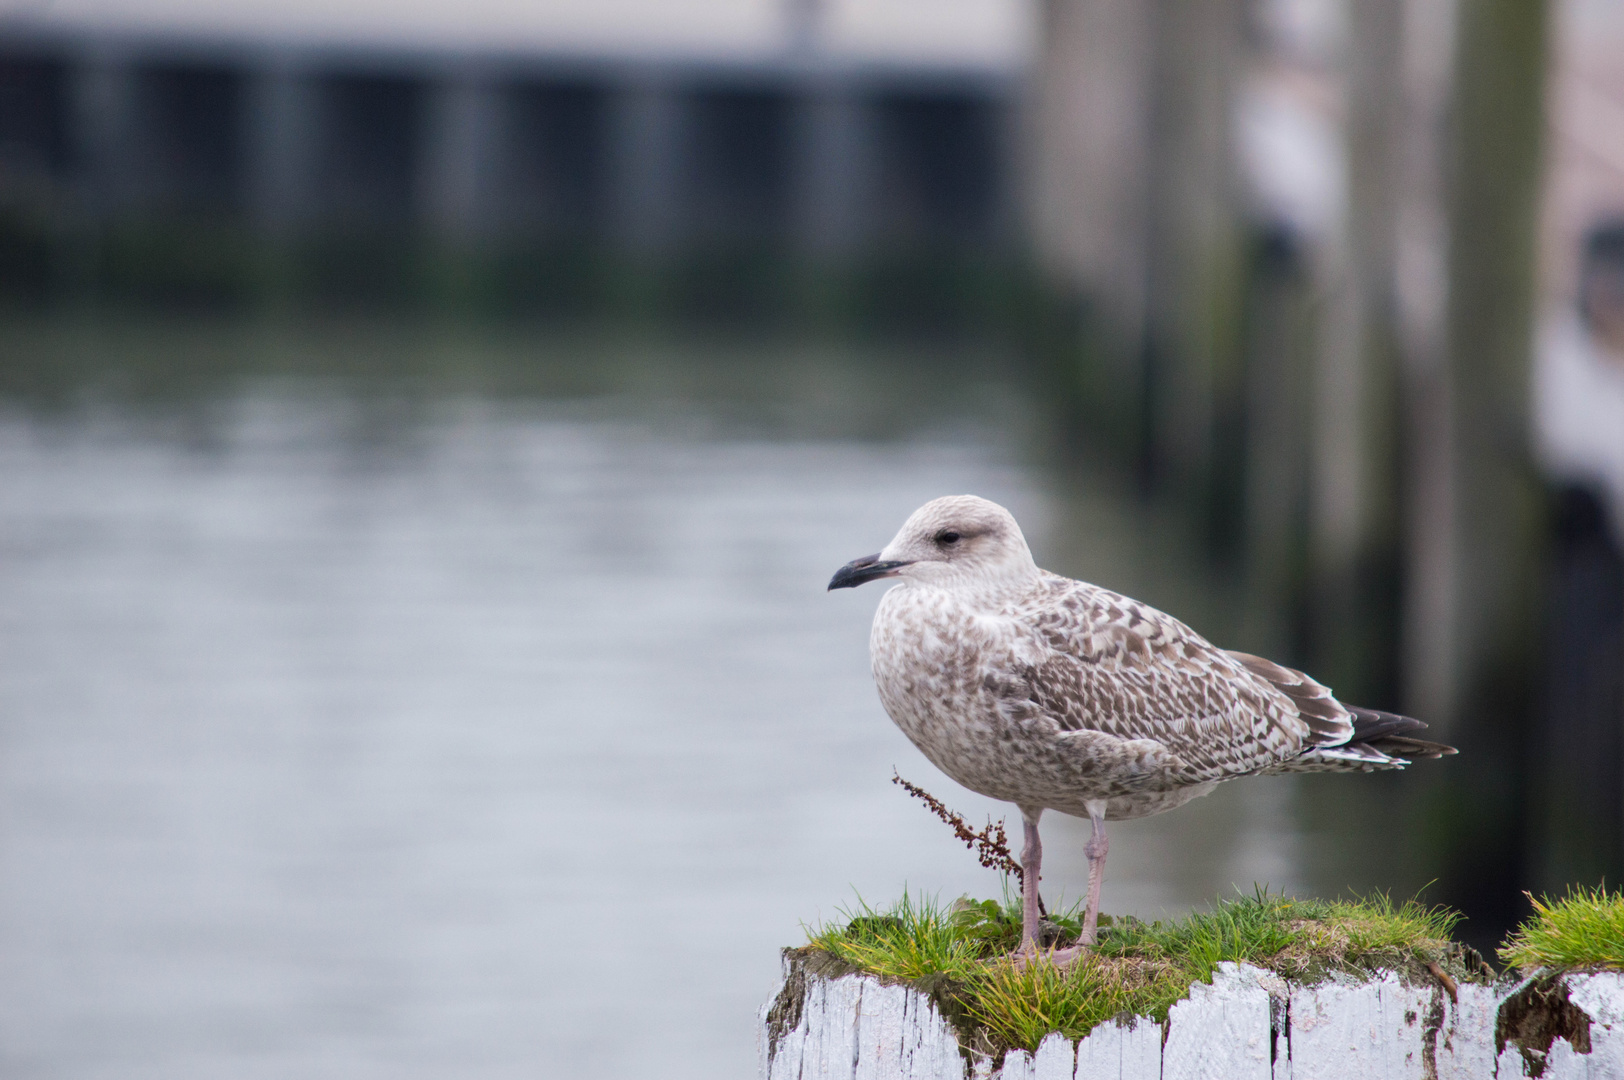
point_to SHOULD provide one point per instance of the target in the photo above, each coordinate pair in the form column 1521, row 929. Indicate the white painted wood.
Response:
column 1370, row 1030
column 1142, row 1050
column 1100, row 1055
column 1221, row 1031
column 1601, row 997
column 831, row 1035
column 854, row 1028
column 1018, row 1065
column 1055, row 1059
column 1113, row 1051
column 882, row 1031
column 1465, row 1041
column 1509, row 1065
column 1116, row 1051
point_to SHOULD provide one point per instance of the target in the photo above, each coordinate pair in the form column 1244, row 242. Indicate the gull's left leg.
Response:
column 1096, row 849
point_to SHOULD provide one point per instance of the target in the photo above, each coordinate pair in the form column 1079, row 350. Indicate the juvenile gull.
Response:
column 1055, row 694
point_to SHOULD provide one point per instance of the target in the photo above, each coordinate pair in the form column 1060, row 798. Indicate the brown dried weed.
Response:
column 991, row 845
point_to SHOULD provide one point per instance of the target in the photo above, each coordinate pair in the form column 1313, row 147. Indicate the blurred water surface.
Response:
column 408, row 705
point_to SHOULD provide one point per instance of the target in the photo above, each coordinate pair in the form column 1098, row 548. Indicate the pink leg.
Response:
column 1031, row 875
column 1096, row 849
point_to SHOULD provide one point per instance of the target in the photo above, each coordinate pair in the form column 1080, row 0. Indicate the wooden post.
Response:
column 1131, row 197
column 460, row 157
column 647, row 141
column 1086, row 170
column 1354, row 489
column 1247, row 1024
column 1193, row 296
column 834, row 166
column 1471, row 436
column 458, row 179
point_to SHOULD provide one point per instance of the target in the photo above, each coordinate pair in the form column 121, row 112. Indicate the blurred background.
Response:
column 426, row 431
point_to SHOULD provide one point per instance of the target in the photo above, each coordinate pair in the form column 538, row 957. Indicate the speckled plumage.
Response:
column 1056, row 694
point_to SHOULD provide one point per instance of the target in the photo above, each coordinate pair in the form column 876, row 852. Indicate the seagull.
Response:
column 1055, row 694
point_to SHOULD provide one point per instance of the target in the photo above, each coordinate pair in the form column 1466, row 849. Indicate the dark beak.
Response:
column 868, row 568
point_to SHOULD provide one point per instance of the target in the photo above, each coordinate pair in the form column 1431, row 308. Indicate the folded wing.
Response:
column 1114, row 665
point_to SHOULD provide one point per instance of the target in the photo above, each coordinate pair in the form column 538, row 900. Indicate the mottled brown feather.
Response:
column 1121, row 667
column 1330, row 723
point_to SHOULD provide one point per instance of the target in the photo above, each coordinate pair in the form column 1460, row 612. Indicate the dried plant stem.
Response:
column 991, row 845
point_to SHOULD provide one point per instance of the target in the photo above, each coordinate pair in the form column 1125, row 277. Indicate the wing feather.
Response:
column 1114, row 665
column 1327, row 718
column 1103, row 662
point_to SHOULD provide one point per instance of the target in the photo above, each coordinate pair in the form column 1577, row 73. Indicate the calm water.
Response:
column 492, row 724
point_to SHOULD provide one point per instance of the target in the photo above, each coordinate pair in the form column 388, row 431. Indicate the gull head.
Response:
column 958, row 542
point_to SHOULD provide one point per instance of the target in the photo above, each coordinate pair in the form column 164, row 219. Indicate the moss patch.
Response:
column 1583, row 930
column 957, row 954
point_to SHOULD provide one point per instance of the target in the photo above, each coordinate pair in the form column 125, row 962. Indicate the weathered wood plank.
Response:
column 1121, row 1051
column 1372, row 1030
column 1055, row 1059
column 1601, row 997
column 1248, row 1025
column 1465, row 1039
column 1222, row 1031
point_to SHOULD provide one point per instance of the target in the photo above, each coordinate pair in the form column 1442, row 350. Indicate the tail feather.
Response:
column 1343, row 738
column 1381, row 741
column 1393, row 735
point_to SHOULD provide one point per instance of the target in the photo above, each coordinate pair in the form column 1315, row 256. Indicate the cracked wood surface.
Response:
column 1249, row 1024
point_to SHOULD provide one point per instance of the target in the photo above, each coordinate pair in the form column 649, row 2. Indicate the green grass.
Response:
column 959, row 954
column 1584, row 929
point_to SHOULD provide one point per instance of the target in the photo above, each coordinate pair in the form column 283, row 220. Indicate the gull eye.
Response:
column 948, row 537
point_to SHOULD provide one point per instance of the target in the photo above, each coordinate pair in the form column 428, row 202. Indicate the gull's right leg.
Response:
column 1095, row 849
